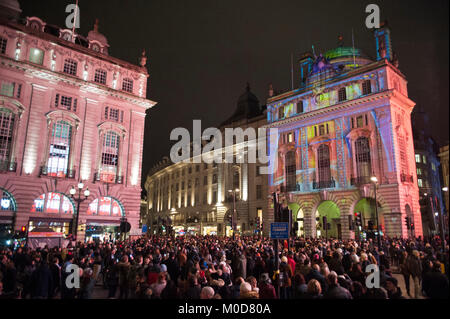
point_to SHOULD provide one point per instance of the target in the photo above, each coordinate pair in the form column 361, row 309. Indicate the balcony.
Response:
column 108, row 178
column 290, row 188
column 324, row 184
column 360, row 180
column 56, row 172
column 7, row 166
column 404, row 178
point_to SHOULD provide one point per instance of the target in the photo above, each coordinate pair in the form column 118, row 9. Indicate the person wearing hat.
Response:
column 246, row 291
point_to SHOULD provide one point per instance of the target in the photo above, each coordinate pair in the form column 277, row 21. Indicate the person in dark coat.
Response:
column 315, row 274
column 55, row 270
column 41, row 282
column 435, row 283
column 266, row 289
column 335, row 264
column 394, row 291
column 335, row 291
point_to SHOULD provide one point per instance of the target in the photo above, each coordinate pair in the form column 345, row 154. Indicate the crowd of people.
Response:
column 209, row 267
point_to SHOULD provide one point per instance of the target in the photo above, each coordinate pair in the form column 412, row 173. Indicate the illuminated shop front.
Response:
column 210, row 230
column 179, row 230
column 52, row 210
column 8, row 208
column 193, row 230
column 106, row 228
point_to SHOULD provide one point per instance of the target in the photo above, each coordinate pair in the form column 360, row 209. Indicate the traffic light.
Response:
column 358, row 221
column 350, row 223
column 407, row 222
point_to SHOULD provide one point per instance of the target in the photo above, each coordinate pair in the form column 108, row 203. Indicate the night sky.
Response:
column 202, row 53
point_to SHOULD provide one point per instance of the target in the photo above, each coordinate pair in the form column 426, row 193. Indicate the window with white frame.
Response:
column 6, row 135
column 3, row 43
column 342, row 94
column 110, row 157
column 70, row 66
column 58, row 157
column 7, row 88
column 36, row 56
column 66, row 102
column 113, row 114
column 100, row 76
column 127, row 85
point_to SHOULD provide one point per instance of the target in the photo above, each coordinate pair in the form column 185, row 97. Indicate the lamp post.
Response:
column 374, row 180
column 233, row 217
column 79, row 199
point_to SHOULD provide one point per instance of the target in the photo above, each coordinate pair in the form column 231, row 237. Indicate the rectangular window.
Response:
column 419, row 171
column 418, row 157
column 3, row 43
column 66, row 102
column 100, row 76
column 433, row 167
column 353, row 123
column 366, row 87
column 321, row 130
column 36, row 56
column 70, row 67
column 127, row 85
column 300, row 107
column 419, row 182
column 424, row 159
column 342, row 94
column 19, row 91
column 315, row 130
column 359, row 121
column 258, row 191
column 7, row 89
column 290, row 137
column 367, row 121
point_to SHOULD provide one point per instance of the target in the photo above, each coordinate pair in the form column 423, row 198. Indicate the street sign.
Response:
column 279, row 230
column 144, row 229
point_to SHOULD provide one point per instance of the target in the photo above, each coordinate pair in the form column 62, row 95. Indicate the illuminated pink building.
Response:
column 68, row 112
column 348, row 123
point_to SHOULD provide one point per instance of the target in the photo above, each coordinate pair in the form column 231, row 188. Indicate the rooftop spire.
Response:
column 96, row 25
column 143, row 60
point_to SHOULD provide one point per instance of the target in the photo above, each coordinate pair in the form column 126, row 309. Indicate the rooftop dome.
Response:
column 10, row 9
column 95, row 35
column 247, row 107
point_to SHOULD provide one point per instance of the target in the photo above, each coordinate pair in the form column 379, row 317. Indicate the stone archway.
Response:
column 331, row 211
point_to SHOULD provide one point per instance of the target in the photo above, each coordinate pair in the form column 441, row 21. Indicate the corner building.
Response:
column 69, row 112
column 349, row 120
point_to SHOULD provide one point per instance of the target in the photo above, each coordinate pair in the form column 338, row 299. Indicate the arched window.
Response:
column 106, row 206
column 60, row 142
column 53, row 203
column 362, row 153
column 323, row 165
column 8, row 203
column 291, row 169
column 6, row 137
column 110, row 157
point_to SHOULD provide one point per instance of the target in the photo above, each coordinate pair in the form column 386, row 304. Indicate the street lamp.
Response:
column 374, row 180
column 233, row 217
column 79, row 199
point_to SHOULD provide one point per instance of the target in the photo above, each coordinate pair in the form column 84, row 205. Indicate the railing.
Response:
column 290, row 188
column 360, row 180
column 324, row 184
column 8, row 166
column 108, row 178
column 406, row 178
column 54, row 172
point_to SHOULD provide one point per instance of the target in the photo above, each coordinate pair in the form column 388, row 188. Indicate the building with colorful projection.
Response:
column 348, row 121
column 69, row 112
